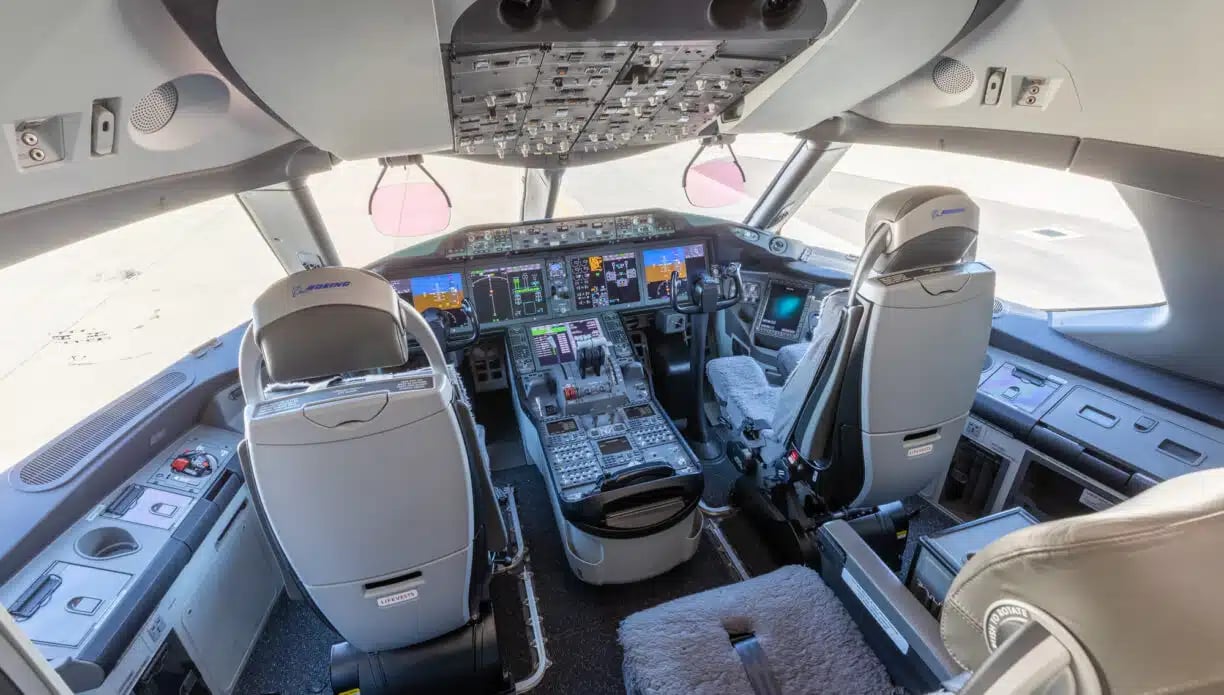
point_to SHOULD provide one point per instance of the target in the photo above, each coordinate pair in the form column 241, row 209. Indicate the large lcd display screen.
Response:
column 508, row 293
column 607, row 280
column 556, row 343
column 658, row 265
column 784, row 308
column 444, row 291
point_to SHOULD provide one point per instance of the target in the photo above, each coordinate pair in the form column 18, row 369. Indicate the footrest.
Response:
column 806, row 637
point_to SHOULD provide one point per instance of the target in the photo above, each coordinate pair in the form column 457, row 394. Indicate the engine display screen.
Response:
column 443, row 291
column 607, row 280
column 658, row 264
column 784, row 308
column 509, row 292
column 556, row 343
column 562, row 426
column 634, row 412
column 615, row 445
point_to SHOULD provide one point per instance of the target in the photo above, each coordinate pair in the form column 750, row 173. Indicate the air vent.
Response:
column 57, row 463
column 952, row 76
column 155, row 109
column 999, row 308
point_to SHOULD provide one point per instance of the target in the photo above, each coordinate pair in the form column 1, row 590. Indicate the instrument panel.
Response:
column 531, row 288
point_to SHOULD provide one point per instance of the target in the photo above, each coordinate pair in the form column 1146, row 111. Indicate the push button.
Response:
column 1145, row 424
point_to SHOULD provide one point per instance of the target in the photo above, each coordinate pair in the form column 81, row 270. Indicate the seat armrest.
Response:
column 896, row 625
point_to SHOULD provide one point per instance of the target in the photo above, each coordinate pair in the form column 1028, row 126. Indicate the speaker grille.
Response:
column 155, row 109
column 998, row 309
column 55, row 464
column 952, row 76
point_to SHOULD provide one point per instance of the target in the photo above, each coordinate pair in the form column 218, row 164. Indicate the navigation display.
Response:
column 556, row 343
column 658, row 265
column 509, row 292
column 607, row 280
column 784, row 310
column 443, row 291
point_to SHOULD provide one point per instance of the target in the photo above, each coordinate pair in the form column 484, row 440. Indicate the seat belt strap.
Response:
column 756, row 666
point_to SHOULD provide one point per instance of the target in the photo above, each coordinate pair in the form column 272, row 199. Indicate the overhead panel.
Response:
column 587, row 97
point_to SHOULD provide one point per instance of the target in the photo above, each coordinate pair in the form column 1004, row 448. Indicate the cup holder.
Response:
column 106, row 543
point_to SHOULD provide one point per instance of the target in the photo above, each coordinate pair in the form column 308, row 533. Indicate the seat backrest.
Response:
column 1131, row 593
column 900, row 370
column 369, row 476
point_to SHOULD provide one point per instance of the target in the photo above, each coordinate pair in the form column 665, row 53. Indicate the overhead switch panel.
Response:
column 571, row 97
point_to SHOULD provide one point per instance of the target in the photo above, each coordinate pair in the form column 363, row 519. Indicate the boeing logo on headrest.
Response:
column 299, row 290
column 948, row 211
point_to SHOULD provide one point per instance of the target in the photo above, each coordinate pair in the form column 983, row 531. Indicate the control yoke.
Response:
column 706, row 295
column 706, row 291
column 444, row 324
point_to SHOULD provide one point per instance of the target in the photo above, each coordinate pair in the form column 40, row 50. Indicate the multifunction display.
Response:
column 659, row 264
column 616, row 445
column 443, row 291
column 565, row 426
column 784, row 308
column 508, row 293
column 607, row 280
column 556, row 343
column 635, row 412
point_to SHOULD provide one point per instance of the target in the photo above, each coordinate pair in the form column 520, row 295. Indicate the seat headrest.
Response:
column 926, row 225
column 1137, row 585
column 328, row 321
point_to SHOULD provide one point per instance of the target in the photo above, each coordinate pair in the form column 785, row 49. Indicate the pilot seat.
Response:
column 872, row 408
column 372, row 483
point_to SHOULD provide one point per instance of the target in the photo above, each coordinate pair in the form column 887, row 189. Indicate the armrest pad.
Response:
column 895, row 608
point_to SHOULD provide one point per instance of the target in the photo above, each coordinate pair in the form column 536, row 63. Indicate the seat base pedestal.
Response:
column 791, row 533
column 709, row 450
column 466, row 660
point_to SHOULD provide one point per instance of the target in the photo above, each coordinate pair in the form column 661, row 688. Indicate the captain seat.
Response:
column 370, row 478
column 878, row 398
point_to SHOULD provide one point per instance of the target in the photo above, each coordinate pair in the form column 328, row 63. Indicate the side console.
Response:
column 624, row 484
column 167, row 580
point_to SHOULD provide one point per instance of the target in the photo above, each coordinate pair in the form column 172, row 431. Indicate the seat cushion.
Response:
column 746, row 398
column 810, row 642
column 790, row 355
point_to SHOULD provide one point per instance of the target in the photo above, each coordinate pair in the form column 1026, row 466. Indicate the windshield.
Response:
column 485, row 193
column 1056, row 240
column 480, row 193
column 653, row 179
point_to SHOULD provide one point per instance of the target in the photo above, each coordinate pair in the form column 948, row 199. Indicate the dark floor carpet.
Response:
column 291, row 656
column 580, row 620
column 926, row 519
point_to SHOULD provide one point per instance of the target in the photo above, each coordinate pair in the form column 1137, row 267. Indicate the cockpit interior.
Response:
column 749, row 347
